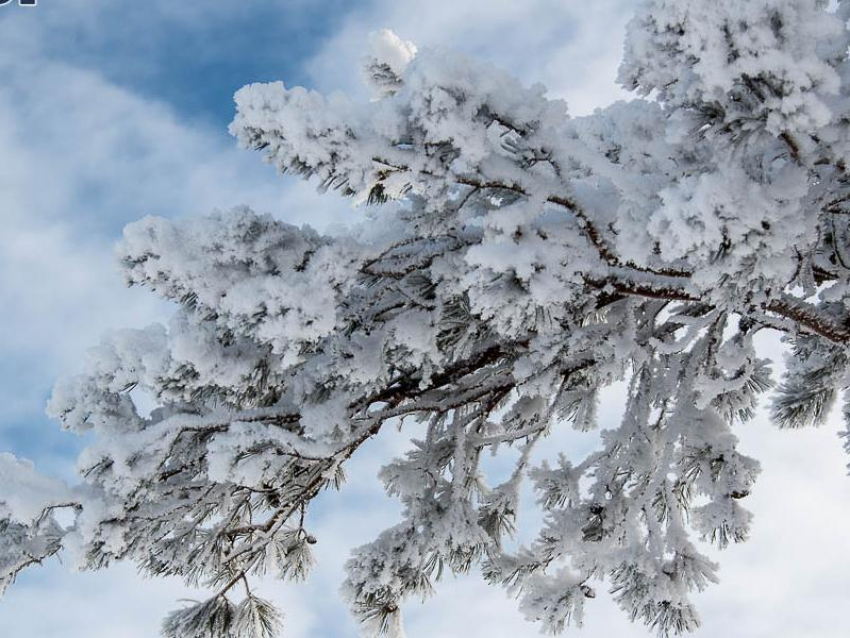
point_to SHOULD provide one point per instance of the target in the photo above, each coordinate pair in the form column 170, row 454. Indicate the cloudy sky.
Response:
column 113, row 110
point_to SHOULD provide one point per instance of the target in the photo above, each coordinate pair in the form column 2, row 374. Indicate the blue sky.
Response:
column 113, row 110
column 190, row 56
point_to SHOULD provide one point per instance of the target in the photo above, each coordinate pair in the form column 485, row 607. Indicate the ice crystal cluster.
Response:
column 515, row 262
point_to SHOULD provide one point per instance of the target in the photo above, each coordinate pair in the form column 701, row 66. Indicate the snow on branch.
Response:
column 516, row 262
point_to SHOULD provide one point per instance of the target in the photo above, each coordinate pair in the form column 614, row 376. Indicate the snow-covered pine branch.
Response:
column 518, row 262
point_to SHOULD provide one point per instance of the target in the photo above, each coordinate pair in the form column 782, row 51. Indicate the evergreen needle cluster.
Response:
column 515, row 261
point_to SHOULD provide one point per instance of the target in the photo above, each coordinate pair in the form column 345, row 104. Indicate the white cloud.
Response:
column 81, row 158
column 573, row 48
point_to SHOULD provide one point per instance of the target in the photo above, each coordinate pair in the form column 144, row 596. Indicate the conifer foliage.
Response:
column 514, row 261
